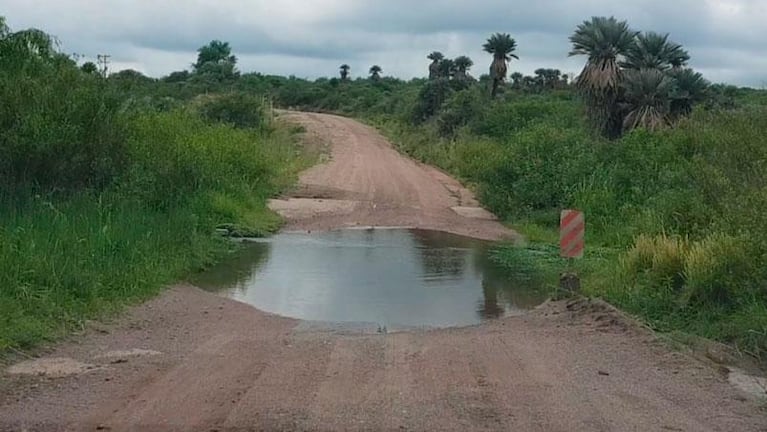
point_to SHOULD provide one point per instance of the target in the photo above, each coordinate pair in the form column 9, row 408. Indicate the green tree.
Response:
column 516, row 80
column 177, row 76
column 548, row 78
column 502, row 47
column 462, row 66
column 647, row 98
column 654, row 51
column 89, row 68
column 447, row 68
column 690, row 88
column 345, row 68
column 436, row 58
column 18, row 49
column 605, row 41
column 217, row 52
column 375, row 72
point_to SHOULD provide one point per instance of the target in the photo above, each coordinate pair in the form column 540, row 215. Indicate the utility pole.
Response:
column 103, row 60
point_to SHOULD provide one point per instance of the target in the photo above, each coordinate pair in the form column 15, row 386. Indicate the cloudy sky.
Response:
column 310, row 38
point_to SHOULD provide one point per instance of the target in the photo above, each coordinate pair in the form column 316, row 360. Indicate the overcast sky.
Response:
column 311, row 38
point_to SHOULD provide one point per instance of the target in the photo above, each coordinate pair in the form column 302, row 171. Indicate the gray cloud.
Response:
column 311, row 38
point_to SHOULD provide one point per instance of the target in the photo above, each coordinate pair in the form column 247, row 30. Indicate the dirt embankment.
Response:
column 191, row 361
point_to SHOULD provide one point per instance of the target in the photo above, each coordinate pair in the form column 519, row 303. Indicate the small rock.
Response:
column 102, row 427
column 119, row 360
column 603, row 373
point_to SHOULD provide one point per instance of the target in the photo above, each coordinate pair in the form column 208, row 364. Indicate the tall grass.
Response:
column 107, row 195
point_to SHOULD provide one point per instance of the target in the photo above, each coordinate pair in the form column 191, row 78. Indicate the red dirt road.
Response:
column 211, row 364
column 368, row 183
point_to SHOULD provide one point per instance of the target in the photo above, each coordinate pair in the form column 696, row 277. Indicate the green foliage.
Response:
column 238, row 109
column 654, row 51
column 430, row 99
column 215, row 52
column 647, row 93
column 375, row 72
column 89, row 68
column 718, row 270
column 60, row 128
column 502, row 46
column 66, row 260
column 109, row 190
column 633, row 80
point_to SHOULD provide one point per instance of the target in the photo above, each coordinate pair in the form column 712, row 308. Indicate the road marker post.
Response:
column 572, row 242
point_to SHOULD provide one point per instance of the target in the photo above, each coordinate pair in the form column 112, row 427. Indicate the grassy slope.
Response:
column 68, row 259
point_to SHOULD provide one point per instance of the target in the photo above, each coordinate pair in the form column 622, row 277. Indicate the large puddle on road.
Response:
column 395, row 278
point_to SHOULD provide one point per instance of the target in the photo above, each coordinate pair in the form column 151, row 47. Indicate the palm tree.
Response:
column 677, row 56
column 604, row 41
column 375, row 72
column 654, row 51
column 462, row 66
column 345, row 68
column 647, row 95
column 502, row 47
column 516, row 80
column 690, row 88
column 447, row 68
column 436, row 57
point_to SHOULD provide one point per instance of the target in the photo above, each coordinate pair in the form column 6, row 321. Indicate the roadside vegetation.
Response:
column 106, row 195
column 670, row 170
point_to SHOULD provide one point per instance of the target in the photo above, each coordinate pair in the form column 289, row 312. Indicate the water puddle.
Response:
column 395, row 278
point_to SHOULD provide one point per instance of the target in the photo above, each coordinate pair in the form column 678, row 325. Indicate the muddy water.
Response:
column 394, row 278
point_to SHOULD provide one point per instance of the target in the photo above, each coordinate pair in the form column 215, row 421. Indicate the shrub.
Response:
column 240, row 110
column 661, row 259
column 430, row 99
column 718, row 270
column 175, row 155
column 460, row 110
column 60, row 128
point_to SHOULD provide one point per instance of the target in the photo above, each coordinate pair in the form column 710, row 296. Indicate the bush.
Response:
column 430, row 99
column 175, row 155
column 718, row 270
column 460, row 110
column 660, row 259
column 60, row 128
column 240, row 110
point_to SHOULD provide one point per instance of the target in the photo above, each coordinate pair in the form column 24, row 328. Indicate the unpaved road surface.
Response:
column 368, row 183
column 191, row 361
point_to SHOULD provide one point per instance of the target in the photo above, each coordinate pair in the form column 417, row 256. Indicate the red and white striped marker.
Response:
column 572, row 230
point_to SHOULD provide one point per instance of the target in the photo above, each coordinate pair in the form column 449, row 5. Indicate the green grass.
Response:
column 69, row 260
column 66, row 258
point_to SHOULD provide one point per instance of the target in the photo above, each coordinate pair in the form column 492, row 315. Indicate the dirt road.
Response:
column 368, row 183
column 191, row 361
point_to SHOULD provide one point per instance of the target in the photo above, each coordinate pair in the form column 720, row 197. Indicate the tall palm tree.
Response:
column 654, row 51
column 647, row 100
column 605, row 41
column 690, row 88
column 345, row 68
column 462, row 66
column 375, row 72
column 436, row 57
column 502, row 47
